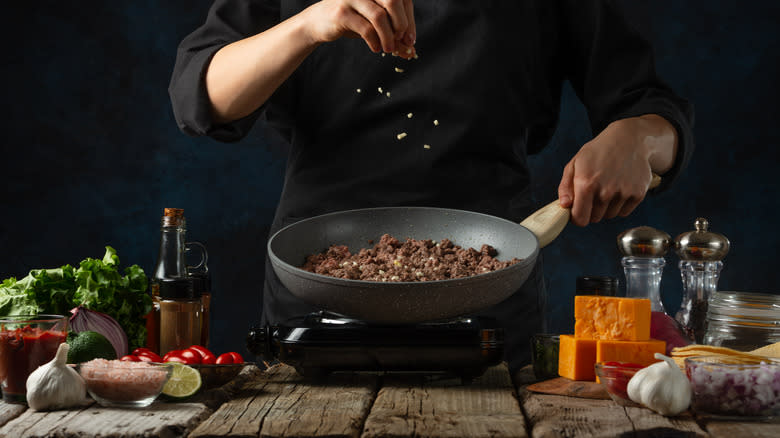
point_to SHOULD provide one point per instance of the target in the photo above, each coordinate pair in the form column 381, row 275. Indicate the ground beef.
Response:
column 413, row 260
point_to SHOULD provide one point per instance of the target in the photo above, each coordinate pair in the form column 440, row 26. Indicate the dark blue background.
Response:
column 92, row 155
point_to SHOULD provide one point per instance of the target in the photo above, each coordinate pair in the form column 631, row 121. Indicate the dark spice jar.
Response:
column 597, row 285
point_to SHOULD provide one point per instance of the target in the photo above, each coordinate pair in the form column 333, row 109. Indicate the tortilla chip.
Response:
column 771, row 350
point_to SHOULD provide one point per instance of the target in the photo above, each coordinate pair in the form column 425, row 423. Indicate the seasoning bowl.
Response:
column 544, row 355
column 115, row 383
column 213, row 375
column 614, row 377
column 728, row 387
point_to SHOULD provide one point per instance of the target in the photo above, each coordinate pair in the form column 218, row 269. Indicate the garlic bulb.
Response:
column 661, row 387
column 55, row 385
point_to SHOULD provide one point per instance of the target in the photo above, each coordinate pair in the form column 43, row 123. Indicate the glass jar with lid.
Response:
column 742, row 320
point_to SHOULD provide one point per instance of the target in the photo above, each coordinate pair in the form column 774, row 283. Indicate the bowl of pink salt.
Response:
column 115, row 383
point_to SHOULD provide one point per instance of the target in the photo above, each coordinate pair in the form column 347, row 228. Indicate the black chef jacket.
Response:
column 483, row 95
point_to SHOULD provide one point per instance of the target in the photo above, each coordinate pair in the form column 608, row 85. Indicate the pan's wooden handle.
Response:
column 548, row 222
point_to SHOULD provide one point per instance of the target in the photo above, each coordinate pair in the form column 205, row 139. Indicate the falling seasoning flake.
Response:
column 436, row 123
column 426, row 146
column 388, row 94
column 409, row 116
column 399, row 70
column 380, row 90
column 401, row 136
column 359, row 90
column 383, row 53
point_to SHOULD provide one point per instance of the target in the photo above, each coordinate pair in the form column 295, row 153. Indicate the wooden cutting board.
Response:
column 572, row 388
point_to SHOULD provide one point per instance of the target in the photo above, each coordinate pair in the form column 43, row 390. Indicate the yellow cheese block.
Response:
column 640, row 352
column 577, row 358
column 623, row 319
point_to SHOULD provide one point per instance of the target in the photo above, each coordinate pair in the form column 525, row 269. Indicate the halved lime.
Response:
column 184, row 382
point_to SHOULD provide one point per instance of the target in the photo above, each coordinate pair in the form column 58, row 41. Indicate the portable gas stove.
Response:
column 323, row 342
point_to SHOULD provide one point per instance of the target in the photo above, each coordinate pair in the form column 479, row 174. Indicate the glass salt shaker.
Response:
column 643, row 261
column 700, row 252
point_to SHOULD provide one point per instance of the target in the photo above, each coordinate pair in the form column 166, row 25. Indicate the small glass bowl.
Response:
column 115, row 383
column 727, row 387
column 614, row 376
column 544, row 355
column 214, row 375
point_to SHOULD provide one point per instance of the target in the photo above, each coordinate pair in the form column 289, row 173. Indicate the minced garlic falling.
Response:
column 409, row 116
column 388, row 94
column 426, row 146
column 380, row 90
column 359, row 90
column 436, row 123
column 401, row 136
column 399, row 70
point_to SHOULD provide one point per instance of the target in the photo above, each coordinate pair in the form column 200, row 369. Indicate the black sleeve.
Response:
column 612, row 70
column 228, row 21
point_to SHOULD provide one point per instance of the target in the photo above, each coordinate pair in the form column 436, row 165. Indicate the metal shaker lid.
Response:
column 701, row 244
column 644, row 241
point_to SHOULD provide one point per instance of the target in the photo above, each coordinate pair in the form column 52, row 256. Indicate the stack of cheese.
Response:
column 607, row 329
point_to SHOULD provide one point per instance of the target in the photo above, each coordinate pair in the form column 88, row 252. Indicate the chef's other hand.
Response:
column 610, row 174
column 385, row 25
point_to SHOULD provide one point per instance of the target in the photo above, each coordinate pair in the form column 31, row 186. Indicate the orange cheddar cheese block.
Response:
column 621, row 319
column 640, row 352
column 577, row 358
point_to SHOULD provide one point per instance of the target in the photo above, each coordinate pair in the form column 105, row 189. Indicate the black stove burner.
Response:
column 322, row 342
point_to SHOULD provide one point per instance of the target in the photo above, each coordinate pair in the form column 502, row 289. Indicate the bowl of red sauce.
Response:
column 614, row 376
column 27, row 342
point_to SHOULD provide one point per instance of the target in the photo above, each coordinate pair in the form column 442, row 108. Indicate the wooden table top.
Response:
column 279, row 403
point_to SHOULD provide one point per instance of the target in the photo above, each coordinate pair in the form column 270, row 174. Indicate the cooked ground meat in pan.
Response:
column 413, row 260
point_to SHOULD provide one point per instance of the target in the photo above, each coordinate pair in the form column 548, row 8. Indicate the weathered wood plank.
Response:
column 158, row 420
column 414, row 406
column 648, row 423
column 9, row 411
column 730, row 429
column 281, row 404
column 561, row 416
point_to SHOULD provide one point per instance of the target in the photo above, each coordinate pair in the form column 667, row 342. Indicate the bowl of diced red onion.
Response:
column 114, row 383
column 730, row 388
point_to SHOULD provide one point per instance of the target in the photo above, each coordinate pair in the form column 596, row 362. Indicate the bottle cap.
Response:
column 644, row 242
column 179, row 289
column 173, row 212
column 701, row 244
column 597, row 285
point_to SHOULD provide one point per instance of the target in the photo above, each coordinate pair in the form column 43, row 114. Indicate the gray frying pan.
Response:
column 411, row 302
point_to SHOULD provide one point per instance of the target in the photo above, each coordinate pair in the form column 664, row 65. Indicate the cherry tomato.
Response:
column 203, row 351
column 225, row 358
column 145, row 358
column 209, row 359
column 172, row 354
column 141, row 350
column 236, row 357
column 152, row 356
column 192, row 357
column 129, row 358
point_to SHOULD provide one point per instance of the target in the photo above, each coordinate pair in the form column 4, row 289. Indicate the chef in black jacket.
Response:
column 448, row 122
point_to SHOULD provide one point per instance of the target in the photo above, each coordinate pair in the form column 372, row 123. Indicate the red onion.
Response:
column 84, row 319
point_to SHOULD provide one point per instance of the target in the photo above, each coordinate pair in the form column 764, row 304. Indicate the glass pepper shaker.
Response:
column 643, row 261
column 700, row 252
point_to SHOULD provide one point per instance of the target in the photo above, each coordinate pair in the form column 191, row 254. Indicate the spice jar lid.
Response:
column 644, row 241
column 701, row 244
column 597, row 285
column 179, row 289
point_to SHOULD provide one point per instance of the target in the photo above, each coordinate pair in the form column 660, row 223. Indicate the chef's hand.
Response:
column 385, row 25
column 610, row 174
